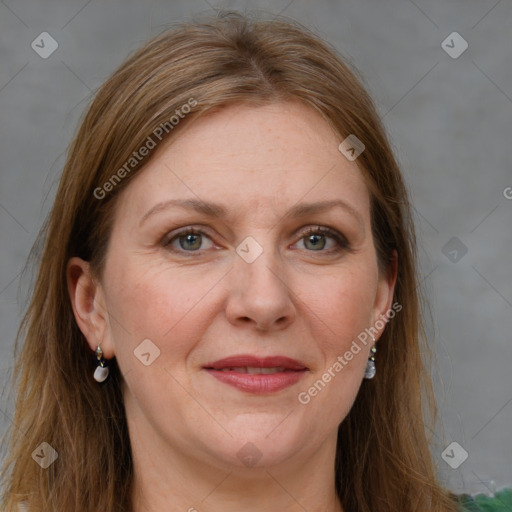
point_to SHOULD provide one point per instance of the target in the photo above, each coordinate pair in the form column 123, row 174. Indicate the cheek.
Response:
column 343, row 304
column 340, row 309
column 166, row 307
column 156, row 303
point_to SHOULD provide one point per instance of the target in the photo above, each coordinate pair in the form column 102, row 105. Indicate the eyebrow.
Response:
column 216, row 210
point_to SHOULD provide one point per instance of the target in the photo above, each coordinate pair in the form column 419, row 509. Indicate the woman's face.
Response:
column 250, row 285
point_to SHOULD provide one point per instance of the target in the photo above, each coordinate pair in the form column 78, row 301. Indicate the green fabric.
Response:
column 500, row 502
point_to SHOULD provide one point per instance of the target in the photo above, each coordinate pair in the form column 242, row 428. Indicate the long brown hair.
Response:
column 383, row 458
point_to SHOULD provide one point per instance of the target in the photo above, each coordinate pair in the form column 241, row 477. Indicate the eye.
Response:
column 189, row 240
column 314, row 239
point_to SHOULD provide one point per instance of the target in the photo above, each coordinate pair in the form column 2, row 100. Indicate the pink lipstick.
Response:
column 259, row 375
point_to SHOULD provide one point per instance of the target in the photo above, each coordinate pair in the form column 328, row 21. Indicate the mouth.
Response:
column 258, row 375
column 252, row 370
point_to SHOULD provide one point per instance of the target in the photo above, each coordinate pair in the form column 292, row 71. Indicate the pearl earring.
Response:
column 102, row 370
column 370, row 365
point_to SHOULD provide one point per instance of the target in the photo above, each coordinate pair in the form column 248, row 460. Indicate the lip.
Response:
column 293, row 371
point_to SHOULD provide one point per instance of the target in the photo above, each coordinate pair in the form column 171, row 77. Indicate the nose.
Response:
column 261, row 293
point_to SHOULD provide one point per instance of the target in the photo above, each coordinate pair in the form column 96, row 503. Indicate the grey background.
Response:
column 449, row 120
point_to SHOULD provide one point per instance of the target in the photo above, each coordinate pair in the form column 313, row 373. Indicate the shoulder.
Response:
column 501, row 501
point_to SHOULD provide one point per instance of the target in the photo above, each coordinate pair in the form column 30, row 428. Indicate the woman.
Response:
column 226, row 315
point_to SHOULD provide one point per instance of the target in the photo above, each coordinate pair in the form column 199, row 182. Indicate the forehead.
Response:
column 252, row 158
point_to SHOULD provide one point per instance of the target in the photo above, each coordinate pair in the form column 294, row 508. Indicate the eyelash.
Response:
column 317, row 230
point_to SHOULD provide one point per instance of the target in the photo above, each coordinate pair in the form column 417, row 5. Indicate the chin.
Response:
column 257, row 441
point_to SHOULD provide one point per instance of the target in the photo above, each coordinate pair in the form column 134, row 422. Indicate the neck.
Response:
column 267, row 489
column 167, row 478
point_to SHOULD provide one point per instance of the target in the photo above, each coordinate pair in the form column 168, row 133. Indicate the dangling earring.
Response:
column 370, row 365
column 102, row 370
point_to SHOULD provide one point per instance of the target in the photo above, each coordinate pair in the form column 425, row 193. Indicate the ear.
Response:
column 384, row 296
column 89, row 306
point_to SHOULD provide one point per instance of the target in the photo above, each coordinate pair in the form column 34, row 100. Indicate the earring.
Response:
column 102, row 370
column 370, row 365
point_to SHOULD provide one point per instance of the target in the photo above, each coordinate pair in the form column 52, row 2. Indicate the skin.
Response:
column 297, row 299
